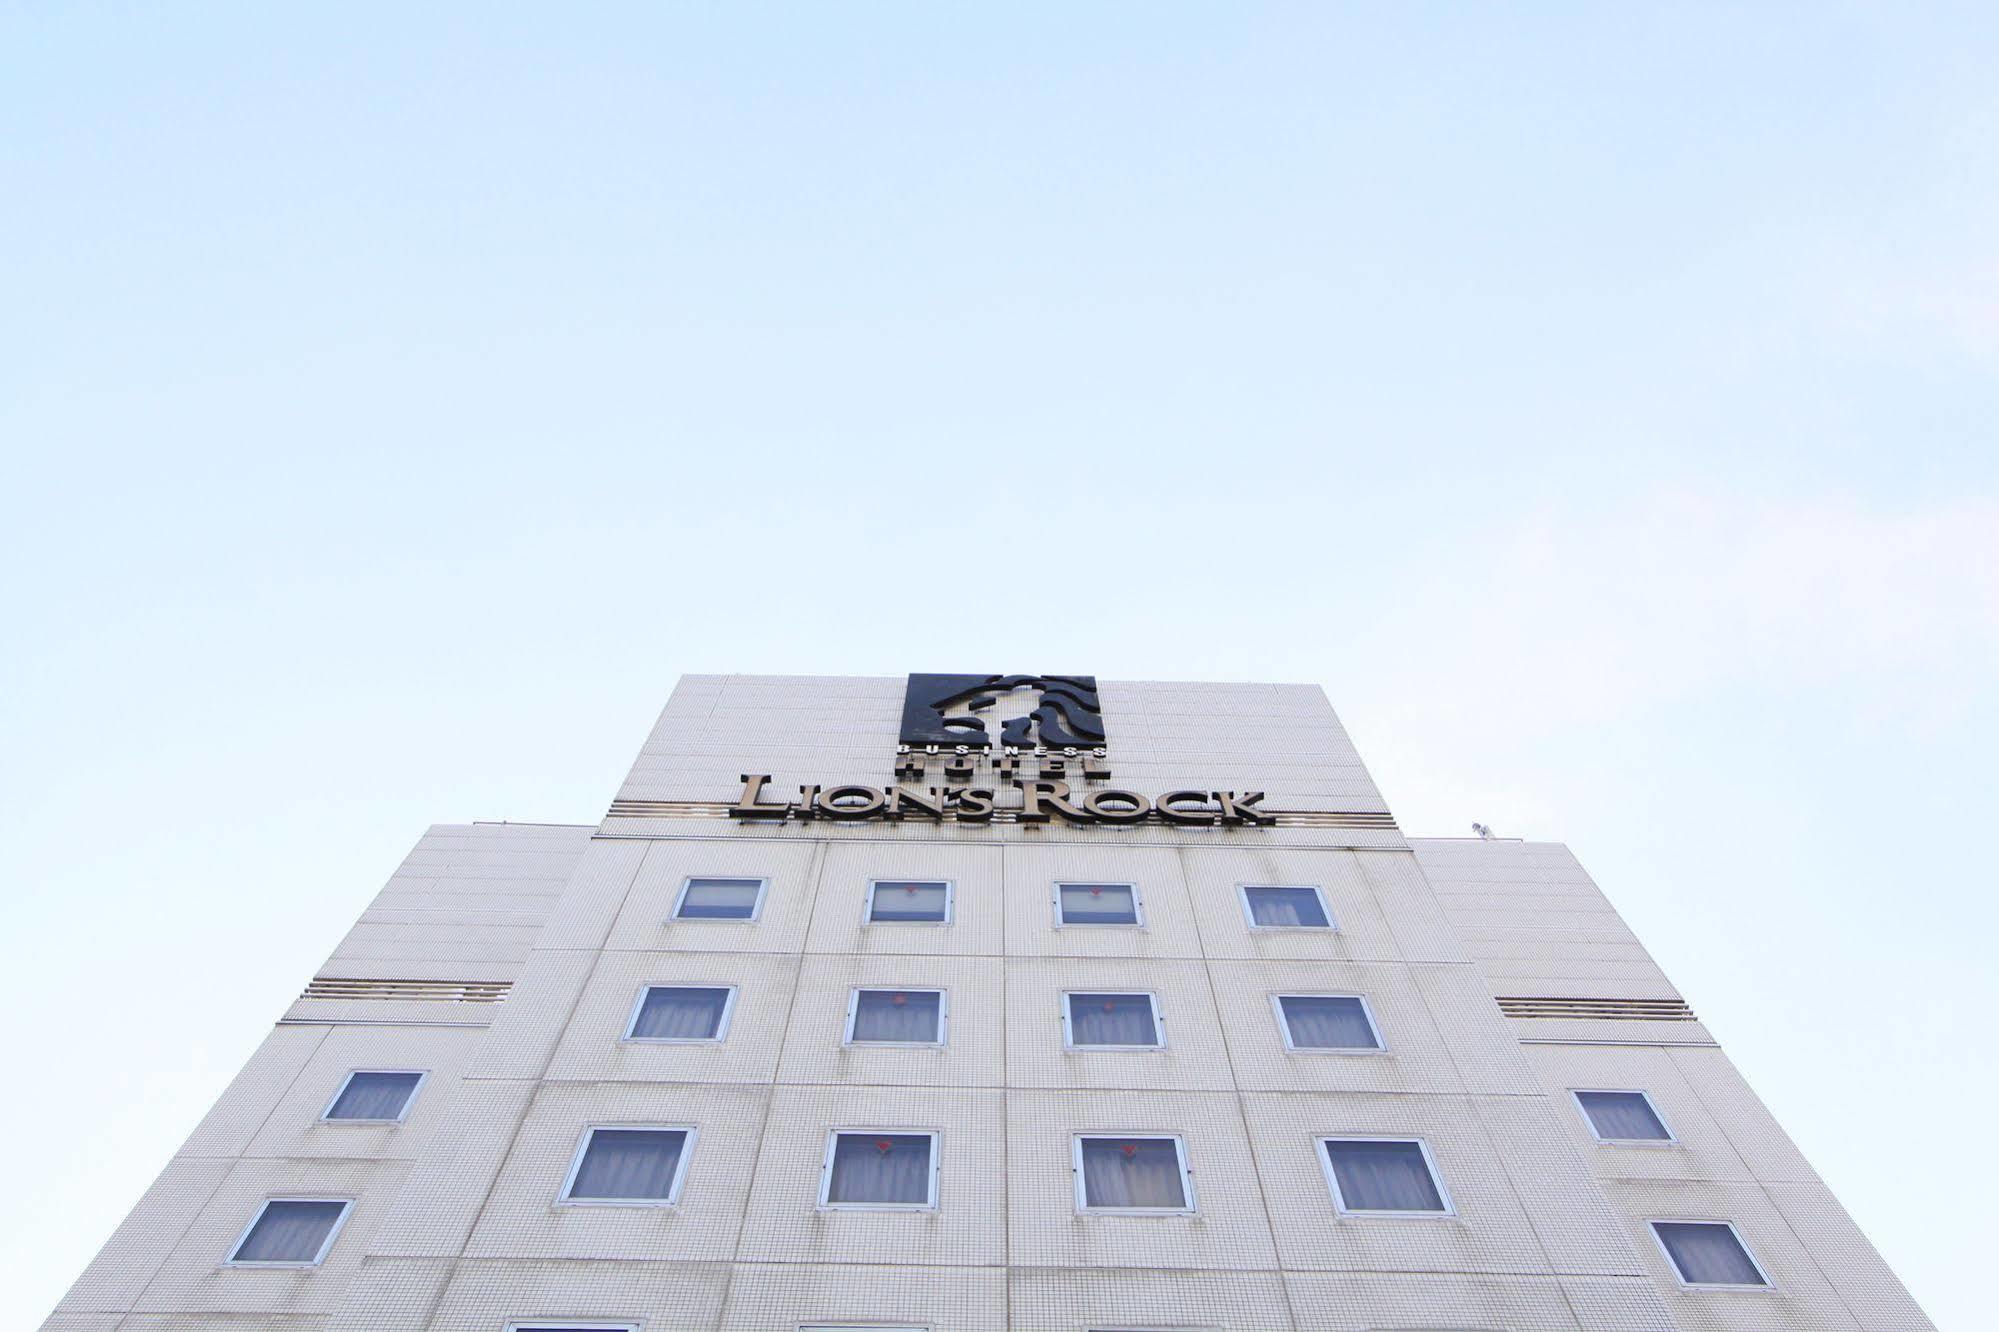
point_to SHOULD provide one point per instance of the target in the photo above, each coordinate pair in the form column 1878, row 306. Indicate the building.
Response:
column 965, row 1003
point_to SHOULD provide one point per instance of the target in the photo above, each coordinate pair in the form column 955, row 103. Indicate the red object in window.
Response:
column 1096, row 890
column 883, row 1145
column 1130, row 1149
column 899, row 1000
column 911, row 890
column 1109, row 1005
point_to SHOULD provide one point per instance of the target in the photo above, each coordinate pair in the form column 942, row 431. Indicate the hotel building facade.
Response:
column 969, row 1003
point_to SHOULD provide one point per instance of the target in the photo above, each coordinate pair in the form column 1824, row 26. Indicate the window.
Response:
column 632, row 1166
column 1096, row 904
column 572, row 1327
column 682, row 1013
column 1622, row 1116
column 374, row 1096
column 896, row 1017
column 1708, row 1253
column 861, row 1327
column 1384, row 1176
column 1112, row 1022
column 869, row 1168
column 1132, row 1174
column 720, row 899
column 1276, row 908
column 1326, row 1022
column 913, row 901
column 291, row 1232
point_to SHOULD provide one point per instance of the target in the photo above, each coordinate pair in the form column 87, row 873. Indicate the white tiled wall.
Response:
column 458, row 1223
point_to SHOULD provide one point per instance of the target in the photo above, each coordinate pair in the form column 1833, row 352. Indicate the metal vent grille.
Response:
column 715, row 809
column 1610, row 1010
column 460, row 992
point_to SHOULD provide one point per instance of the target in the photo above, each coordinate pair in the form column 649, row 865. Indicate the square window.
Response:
column 374, row 1096
column 1386, row 1176
column 1285, row 908
column 633, row 1166
column 682, row 1013
column 1622, row 1116
column 1132, row 1174
column 291, row 1232
column 896, row 1017
column 720, row 899
column 1708, row 1253
column 910, row 901
column 1326, row 1022
column 1096, row 904
column 1113, row 1021
column 866, row 1168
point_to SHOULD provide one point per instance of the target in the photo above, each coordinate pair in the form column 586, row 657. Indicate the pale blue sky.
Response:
column 1597, row 400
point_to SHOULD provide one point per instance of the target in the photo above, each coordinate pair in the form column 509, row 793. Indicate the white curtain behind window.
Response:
column 1622, row 1115
column 906, row 900
column 682, row 1012
column 1708, row 1254
column 1111, row 1019
column 1098, row 904
column 629, row 1163
column 1328, row 1022
column 374, row 1096
column 1384, row 1177
column 720, row 899
column 897, row 1015
column 289, row 1231
column 1132, row 1172
column 880, row 1168
column 1285, row 906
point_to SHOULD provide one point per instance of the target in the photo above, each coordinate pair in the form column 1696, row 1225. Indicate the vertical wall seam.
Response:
column 813, row 873
column 1236, row 1088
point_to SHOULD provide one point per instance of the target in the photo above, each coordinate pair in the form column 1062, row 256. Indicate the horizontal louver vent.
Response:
column 1609, row 1010
column 715, row 809
column 456, row 992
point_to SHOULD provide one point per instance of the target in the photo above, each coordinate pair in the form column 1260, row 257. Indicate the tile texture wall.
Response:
column 458, row 1225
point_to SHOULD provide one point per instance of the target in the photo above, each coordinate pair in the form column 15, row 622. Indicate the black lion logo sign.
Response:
column 1068, row 713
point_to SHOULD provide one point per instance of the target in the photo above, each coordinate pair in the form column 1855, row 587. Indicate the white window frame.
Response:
column 943, row 1017
column 1332, row 925
column 672, row 1198
column 1576, row 1095
column 570, row 1325
column 1152, row 1135
column 409, row 1102
column 721, row 1027
column 833, row 1137
column 950, row 902
column 1137, row 904
column 762, row 882
column 1277, row 999
column 1653, row 1223
column 1319, row 1142
column 325, row 1246
column 864, row 1327
column 1069, row 1034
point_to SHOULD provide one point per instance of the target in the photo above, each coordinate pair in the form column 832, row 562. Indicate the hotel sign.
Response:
column 1041, row 801
column 1062, row 735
